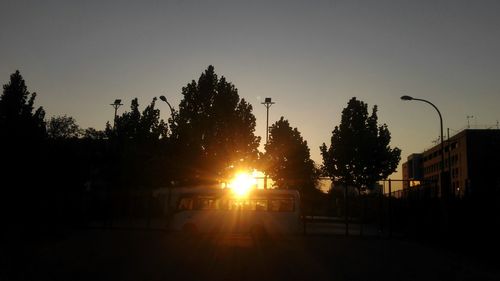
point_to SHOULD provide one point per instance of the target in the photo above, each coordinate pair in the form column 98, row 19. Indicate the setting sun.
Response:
column 242, row 183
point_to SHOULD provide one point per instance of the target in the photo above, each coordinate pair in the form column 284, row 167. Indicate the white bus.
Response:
column 220, row 210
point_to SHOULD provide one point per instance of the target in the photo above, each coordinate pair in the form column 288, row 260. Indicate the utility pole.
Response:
column 267, row 103
column 116, row 105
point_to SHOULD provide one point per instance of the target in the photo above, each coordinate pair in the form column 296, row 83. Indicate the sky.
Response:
column 310, row 57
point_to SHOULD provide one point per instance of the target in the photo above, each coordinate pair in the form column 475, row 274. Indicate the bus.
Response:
column 207, row 210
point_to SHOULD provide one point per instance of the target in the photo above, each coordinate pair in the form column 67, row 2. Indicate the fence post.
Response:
column 381, row 210
column 346, row 210
column 304, row 226
column 390, row 209
column 363, row 213
column 149, row 207
column 169, row 208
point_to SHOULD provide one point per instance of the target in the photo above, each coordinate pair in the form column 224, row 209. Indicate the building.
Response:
column 471, row 164
column 412, row 171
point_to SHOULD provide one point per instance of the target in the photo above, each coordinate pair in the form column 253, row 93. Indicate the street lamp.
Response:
column 267, row 103
column 172, row 112
column 163, row 98
column 441, row 175
column 116, row 105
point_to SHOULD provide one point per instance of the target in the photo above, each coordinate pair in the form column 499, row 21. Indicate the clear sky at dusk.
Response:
column 311, row 57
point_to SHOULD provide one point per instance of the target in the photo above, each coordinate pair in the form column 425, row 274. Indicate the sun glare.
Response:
column 242, row 184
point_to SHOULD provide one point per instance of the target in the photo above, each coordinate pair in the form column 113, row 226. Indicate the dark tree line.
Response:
column 206, row 140
column 22, row 136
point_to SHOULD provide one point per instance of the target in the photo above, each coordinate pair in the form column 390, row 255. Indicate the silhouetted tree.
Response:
column 140, row 148
column 213, row 130
column 63, row 127
column 359, row 154
column 17, row 119
column 93, row 134
column 287, row 159
column 140, row 127
column 22, row 132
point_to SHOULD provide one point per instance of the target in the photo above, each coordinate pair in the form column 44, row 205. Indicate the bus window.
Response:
column 281, row 205
column 234, row 205
column 185, row 203
column 222, row 204
column 247, row 205
column 205, row 204
column 260, row 205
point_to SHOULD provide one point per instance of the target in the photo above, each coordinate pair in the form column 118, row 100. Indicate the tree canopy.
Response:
column 93, row 134
column 359, row 154
column 287, row 158
column 18, row 121
column 139, row 147
column 213, row 129
column 63, row 127
column 133, row 125
column 22, row 137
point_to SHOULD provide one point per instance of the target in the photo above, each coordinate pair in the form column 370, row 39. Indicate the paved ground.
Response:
column 315, row 225
column 156, row 255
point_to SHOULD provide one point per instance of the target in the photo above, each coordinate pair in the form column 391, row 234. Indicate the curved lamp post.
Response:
column 163, row 98
column 441, row 175
column 169, row 198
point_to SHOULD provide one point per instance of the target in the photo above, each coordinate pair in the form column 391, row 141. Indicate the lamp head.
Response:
column 406, row 98
column 117, row 102
column 163, row 98
column 267, row 100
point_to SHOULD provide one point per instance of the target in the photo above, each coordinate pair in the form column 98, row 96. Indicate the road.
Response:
column 155, row 255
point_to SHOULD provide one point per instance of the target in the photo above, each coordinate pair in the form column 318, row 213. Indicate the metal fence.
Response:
column 418, row 213
column 415, row 213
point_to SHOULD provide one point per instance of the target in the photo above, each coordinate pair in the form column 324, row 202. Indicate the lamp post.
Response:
column 163, row 98
column 267, row 103
column 169, row 198
column 441, row 175
column 116, row 105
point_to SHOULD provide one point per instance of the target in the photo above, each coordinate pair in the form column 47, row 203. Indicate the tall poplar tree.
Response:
column 287, row 159
column 359, row 154
column 18, row 120
column 213, row 131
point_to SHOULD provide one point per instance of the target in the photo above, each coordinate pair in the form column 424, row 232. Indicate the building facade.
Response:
column 471, row 164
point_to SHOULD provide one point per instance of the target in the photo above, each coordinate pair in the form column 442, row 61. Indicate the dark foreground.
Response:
column 155, row 255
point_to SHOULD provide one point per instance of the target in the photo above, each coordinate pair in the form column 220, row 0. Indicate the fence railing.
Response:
column 417, row 212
